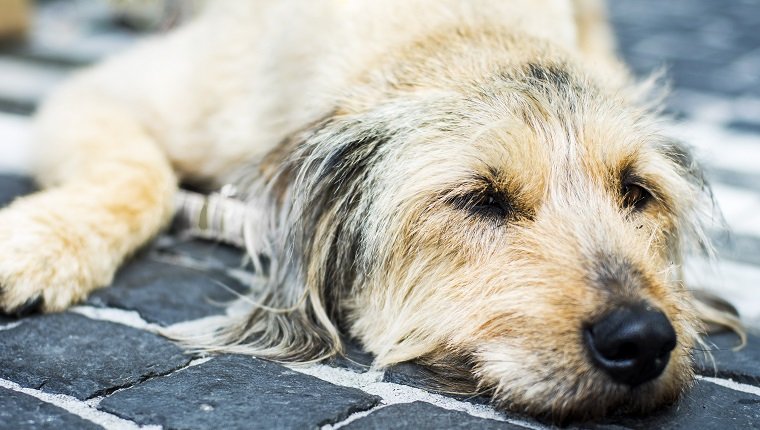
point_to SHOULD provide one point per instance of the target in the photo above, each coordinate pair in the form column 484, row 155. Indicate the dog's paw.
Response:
column 31, row 306
column 44, row 266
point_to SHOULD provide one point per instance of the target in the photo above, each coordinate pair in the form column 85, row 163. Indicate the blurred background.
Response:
column 709, row 49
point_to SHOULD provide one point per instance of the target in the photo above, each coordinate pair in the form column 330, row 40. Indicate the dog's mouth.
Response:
column 589, row 396
column 564, row 394
column 627, row 361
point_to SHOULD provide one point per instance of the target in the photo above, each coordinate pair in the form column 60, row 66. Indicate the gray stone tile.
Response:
column 744, row 13
column 12, row 186
column 674, row 14
column 745, row 126
column 413, row 375
column 675, row 46
column 16, row 106
column 707, row 402
column 407, row 373
column 420, row 415
column 165, row 294
column 706, row 407
column 434, row 380
column 716, row 78
column 737, row 247
column 741, row 366
column 644, row 65
column 237, row 392
column 73, row 33
column 354, row 357
column 706, row 45
column 65, row 35
column 84, row 358
column 24, row 84
column 213, row 254
column 745, row 180
column 19, row 411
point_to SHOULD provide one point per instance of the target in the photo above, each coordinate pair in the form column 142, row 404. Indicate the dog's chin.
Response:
column 575, row 391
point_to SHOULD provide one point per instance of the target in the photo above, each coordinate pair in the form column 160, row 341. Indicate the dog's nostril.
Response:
column 632, row 344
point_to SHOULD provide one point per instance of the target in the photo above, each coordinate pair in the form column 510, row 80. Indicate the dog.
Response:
column 479, row 186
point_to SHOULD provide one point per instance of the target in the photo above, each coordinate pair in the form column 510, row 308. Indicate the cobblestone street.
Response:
column 103, row 364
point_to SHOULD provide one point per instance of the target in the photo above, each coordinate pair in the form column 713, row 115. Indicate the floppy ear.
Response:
column 314, row 190
column 718, row 315
column 315, row 258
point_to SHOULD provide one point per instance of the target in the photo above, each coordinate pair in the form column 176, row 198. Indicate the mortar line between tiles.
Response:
column 10, row 326
column 731, row 384
column 353, row 417
column 79, row 408
column 390, row 393
column 119, row 316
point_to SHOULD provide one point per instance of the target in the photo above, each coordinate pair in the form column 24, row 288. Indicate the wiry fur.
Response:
column 441, row 180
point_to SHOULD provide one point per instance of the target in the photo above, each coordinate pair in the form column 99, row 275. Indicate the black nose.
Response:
column 631, row 344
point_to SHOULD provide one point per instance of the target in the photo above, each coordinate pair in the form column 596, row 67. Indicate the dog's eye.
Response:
column 489, row 204
column 635, row 196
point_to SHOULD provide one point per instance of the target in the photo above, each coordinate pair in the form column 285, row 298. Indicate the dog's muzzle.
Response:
column 631, row 344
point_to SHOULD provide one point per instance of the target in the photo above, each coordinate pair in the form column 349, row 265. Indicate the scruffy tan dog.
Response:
column 474, row 184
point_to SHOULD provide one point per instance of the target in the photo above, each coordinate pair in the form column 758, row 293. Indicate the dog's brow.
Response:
column 492, row 180
column 467, row 186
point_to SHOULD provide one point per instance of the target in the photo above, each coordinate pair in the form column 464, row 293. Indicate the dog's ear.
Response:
column 329, row 192
column 718, row 315
column 315, row 187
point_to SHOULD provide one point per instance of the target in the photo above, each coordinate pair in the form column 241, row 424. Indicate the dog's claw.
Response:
column 30, row 306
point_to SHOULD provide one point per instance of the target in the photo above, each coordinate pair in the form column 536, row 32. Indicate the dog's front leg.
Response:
column 110, row 189
column 110, row 194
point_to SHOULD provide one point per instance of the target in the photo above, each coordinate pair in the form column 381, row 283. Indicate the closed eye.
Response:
column 487, row 204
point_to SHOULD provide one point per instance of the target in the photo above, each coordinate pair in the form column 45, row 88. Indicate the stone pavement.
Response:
column 103, row 365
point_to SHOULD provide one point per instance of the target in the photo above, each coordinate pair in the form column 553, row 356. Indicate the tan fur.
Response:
column 359, row 132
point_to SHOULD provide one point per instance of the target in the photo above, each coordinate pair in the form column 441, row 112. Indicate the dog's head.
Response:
column 514, row 216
